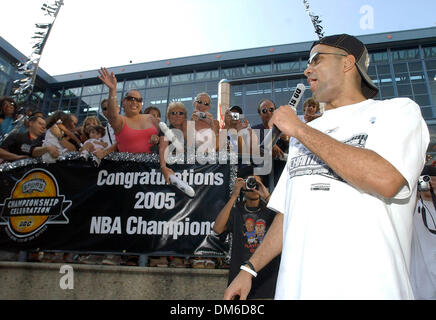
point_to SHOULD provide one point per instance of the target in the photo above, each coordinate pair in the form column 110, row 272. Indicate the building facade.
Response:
column 403, row 64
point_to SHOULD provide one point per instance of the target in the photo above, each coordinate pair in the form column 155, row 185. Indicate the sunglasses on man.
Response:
column 130, row 98
column 314, row 58
column 265, row 110
column 203, row 103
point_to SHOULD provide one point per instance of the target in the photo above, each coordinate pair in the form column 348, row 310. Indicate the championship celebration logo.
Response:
column 34, row 203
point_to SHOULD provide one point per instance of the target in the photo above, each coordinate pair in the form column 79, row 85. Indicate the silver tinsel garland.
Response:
column 316, row 21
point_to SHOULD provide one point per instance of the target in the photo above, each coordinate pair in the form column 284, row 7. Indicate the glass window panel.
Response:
column 400, row 67
column 254, row 92
column 430, row 52
column 402, row 78
column 56, row 94
column 6, row 66
column 135, row 84
column 415, row 66
column 258, row 69
column 383, row 69
column 89, row 90
column 157, row 97
column 432, row 80
column 206, row 75
column 387, row 91
column 405, row 54
column 292, row 66
column 236, row 96
column 157, row 82
column 404, row 90
column 182, row 78
column 3, row 83
column 417, row 77
column 231, row 73
column 72, row 92
column 377, row 57
column 419, row 88
column 422, row 100
column 371, row 71
column 431, row 64
column 183, row 93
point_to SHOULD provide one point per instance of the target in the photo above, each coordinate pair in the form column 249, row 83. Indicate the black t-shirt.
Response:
column 21, row 144
column 283, row 145
column 248, row 227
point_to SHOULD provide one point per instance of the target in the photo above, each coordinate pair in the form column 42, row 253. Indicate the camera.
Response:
column 424, row 183
column 236, row 116
column 251, row 183
column 201, row 115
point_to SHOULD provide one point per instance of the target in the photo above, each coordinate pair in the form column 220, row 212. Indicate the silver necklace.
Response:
column 250, row 211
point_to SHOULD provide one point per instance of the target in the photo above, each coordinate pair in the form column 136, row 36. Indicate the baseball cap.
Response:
column 356, row 48
column 236, row 109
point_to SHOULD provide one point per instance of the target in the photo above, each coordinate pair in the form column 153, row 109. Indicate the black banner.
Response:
column 118, row 206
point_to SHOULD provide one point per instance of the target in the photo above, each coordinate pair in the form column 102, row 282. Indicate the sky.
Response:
column 89, row 34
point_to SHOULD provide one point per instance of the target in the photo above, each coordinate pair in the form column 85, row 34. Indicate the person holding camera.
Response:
column 423, row 256
column 248, row 222
column 238, row 131
column 206, row 127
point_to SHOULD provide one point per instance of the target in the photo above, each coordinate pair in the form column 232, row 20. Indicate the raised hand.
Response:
column 108, row 79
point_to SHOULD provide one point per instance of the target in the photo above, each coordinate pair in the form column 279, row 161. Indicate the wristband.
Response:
column 253, row 273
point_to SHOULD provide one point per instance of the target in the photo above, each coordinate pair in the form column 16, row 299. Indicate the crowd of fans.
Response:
column 27, row 132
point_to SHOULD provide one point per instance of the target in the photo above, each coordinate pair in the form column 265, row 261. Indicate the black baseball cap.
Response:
column 236, row 109
column 355, row 47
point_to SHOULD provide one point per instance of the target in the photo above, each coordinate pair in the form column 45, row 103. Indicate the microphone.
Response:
column 182, row 185
column 170, row 135
column 275, row 133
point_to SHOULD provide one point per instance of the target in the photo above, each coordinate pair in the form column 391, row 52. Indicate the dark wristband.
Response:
column 248, row 263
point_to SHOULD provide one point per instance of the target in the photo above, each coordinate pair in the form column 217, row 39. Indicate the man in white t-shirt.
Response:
column 347, row 194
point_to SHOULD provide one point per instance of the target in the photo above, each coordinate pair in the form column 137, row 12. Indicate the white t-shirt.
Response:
column 423, row 260
column 340, row 242
column 109, row 136
column 95, row 143
column 51, row 140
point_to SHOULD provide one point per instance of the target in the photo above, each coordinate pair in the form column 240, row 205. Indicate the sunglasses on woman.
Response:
column 130, row 98
column 174, row 113
column 203, row 103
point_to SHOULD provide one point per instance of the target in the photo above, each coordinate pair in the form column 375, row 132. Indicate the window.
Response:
column 157, row 97
column 89, row 90
column 181, row 78
column 405, row 54
column 157, row 82
column 135, row 84
column 6, row 66
column 377, row 57
column 72, row 92
column 232, row 73
column 292, row 66
column 206, row 75
column 258, row 69
column 429, row 52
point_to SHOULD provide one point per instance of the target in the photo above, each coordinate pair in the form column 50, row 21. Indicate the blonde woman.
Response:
column 177, row 118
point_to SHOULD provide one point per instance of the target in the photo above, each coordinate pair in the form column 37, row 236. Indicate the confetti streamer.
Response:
column 24, row 87
column 315, row 20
